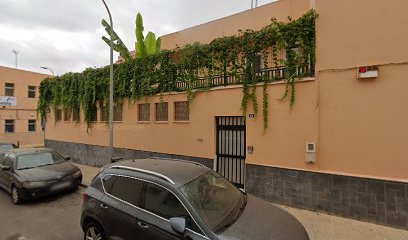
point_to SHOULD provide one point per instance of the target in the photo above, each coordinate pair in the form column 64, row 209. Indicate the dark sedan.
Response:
column 36, row 172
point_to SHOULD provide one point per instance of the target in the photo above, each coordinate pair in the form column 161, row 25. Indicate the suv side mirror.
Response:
column 178, row 225
column 5, row 168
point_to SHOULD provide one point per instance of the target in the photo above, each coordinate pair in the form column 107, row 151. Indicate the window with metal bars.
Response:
column 117, row 113
column 67, row 115
column 103, row 113
column 76, row 115
column 32, row 125
column 162, row 112
column 94, row 116
column 58, row 115
column 181, row 111
column 9, row 89
column 31, row 91
column 259, row 63
column 143, row 114
column 9, row 125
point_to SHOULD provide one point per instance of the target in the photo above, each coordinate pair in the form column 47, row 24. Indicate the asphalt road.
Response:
column 57, row 218
column 52, row 218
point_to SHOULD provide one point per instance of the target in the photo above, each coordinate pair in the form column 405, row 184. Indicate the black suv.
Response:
column 154, row 199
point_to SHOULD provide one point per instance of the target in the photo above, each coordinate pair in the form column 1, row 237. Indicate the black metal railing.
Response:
column 273, row 74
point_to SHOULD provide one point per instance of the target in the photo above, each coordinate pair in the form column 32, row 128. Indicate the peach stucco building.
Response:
column 19, row 96
column 342, row 150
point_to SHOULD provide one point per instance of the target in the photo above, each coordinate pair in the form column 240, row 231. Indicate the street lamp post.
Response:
column 43, row 121
column 110, row 86
column 49, row 69
column 16, row 57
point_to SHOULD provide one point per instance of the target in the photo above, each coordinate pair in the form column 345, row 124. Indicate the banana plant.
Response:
column 118, row 44
column 148, row 46
column 144, row 46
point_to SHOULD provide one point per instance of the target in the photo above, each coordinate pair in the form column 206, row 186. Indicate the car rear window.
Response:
column 148, row 196
column 127, row 189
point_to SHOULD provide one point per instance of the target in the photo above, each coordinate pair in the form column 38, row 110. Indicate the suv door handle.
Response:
column 104, row 206
column 143, row 225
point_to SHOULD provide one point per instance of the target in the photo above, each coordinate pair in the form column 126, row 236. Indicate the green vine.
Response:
column 196, row 67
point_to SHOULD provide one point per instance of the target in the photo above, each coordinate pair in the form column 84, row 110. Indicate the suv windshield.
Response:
column 38, row 159
column 217, row 201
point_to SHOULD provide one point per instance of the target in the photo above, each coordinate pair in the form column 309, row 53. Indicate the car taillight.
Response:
column 84, row 196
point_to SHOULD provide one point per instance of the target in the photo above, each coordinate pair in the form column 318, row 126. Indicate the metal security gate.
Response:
column 231, row 152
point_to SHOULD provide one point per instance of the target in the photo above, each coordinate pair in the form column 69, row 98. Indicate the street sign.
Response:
column 8, row 101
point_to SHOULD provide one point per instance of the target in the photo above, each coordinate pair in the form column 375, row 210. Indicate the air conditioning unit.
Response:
column 310, row 152
column 367, row 72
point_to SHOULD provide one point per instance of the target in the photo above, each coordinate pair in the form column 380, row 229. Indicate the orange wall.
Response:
column 251, row 19
column 285, row 138
column 22, row 79
column 359, row 125
column 362, row 123
column 351, row 33
column 26, row 107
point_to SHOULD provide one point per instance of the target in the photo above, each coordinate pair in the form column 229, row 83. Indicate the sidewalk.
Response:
column 88, row 173
column 319, row 226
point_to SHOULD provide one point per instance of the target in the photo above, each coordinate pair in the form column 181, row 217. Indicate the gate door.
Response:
column 231, row 152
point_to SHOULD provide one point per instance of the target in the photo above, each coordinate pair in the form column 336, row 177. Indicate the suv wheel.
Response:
column 15, row 195
column 94, row 232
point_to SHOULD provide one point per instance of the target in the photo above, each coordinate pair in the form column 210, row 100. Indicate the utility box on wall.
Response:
column 367, row 72
column 310, row 152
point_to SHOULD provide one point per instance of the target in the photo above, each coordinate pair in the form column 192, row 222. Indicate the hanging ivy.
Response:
column 196, row 67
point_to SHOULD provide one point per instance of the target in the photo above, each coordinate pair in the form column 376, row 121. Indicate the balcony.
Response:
column 272, row 74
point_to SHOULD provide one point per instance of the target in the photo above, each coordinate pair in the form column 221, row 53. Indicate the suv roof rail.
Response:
column 179, row 160
column 143, row 171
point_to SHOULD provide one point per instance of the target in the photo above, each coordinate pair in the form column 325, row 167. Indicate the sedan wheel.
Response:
column 15, row 195
column 94, row 232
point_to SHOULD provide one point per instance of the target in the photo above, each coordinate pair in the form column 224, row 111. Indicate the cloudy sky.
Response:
column 66, row 35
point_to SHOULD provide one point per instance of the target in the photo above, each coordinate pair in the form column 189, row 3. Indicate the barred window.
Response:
column 9, row 89
column 31, row 91
column 94, row 116
column 162, row 111
column 143, row 112
column 117, row 113
column 181, row 111
column 67, row 115
column 76, row 115
column 259, row 63
column 103, row 110
column 9, row 126
column 32, row 124
column 58, row 115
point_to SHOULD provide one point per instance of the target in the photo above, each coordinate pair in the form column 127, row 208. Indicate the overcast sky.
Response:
column 66, row 35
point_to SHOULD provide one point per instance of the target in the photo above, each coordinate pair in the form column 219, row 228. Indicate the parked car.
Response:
column 154, row 199
column 4, row 146
column 36, row 172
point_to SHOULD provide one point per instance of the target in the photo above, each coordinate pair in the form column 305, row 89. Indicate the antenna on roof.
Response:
column 252, row 4
column 16, row 56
